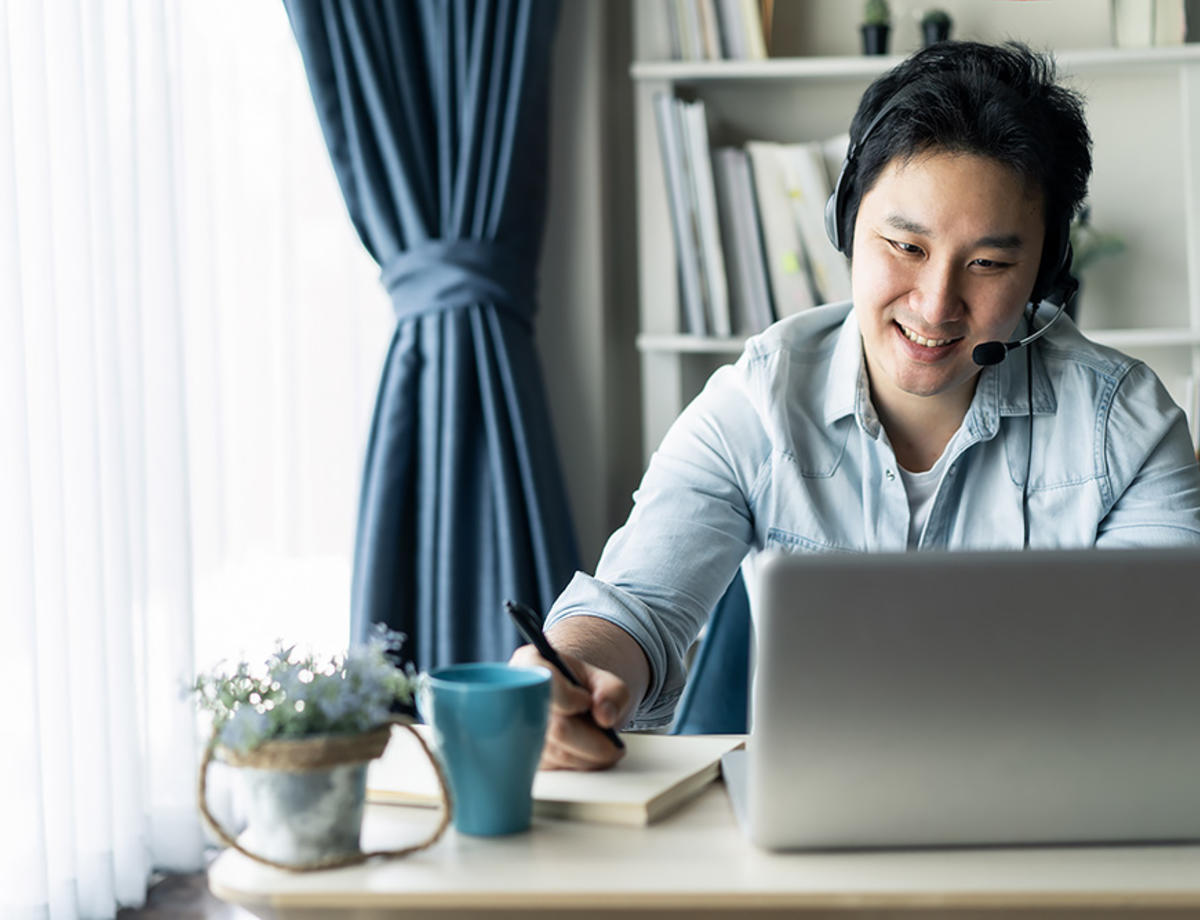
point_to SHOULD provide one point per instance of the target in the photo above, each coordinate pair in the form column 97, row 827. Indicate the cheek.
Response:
column 875, row 282
column 1008, row 323
column 872, row 292
column 1001, row 306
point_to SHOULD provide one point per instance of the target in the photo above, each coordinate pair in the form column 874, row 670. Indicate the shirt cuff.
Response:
column 588, row 596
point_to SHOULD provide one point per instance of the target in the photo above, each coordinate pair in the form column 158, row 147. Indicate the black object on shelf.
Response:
column 875, row 39
column 935, row 27
column 876, row 26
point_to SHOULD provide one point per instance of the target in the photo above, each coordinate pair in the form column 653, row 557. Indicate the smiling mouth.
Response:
column 924, row 342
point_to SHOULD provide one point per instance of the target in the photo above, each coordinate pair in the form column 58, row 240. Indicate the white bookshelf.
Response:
column 841, row 67
column 681, row 343
column 1144, row 112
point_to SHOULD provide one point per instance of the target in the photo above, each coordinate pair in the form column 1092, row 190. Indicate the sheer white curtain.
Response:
column 189, row 342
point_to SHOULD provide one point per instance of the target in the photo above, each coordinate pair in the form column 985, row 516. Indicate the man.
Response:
column 875, row 425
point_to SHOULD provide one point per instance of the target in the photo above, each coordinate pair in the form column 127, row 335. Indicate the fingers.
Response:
column 573, row 740
column 611, row 701
column 565, row 698
column 559, row 755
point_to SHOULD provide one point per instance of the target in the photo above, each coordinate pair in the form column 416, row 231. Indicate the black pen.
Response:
column 530, row 626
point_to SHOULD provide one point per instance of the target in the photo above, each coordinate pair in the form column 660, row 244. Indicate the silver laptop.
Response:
column 927, row 699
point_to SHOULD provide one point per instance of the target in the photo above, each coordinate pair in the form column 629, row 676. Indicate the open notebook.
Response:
column 657, row 775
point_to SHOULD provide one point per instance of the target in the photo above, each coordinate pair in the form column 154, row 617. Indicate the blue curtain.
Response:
column 435, row 113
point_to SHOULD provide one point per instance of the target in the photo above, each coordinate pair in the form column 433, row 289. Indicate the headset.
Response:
column 1055, row 285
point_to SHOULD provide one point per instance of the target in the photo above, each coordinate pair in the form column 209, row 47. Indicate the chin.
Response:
column 930, row 380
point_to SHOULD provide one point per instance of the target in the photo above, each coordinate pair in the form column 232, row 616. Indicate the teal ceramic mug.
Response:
column 489, row 724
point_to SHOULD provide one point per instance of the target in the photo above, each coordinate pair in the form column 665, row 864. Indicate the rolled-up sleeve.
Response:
column 1150, row 466
column 691, row 525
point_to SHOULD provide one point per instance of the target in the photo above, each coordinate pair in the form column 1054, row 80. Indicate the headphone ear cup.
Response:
column 834, row 207
column 1057, row 268
column 831, row 218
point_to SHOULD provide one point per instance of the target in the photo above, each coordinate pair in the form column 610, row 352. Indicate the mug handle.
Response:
column 332, row 862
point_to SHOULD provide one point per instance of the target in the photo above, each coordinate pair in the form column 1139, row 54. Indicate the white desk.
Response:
column 696, row 863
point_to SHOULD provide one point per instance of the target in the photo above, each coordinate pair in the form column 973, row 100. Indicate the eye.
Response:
column 906, row 248
column 991, row 264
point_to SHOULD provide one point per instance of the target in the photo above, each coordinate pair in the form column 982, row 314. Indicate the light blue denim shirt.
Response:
column 783, row 450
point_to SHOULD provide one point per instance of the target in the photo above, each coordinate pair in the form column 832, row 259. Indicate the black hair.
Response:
column 1002, row 102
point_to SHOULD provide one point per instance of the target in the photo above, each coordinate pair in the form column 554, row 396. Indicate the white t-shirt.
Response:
column 920, row 489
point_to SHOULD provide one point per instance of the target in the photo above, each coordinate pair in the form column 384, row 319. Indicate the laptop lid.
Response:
column 976, row 698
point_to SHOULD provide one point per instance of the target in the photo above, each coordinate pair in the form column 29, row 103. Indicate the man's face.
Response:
column 946, row 252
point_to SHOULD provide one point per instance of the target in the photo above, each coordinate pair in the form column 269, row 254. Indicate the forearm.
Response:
column 605, row 645
column 663, row 571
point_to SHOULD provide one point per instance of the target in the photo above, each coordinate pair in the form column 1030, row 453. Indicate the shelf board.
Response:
column 1145, row 338
column 808, row 68
column 689, row 344
column 649, row 343
column 846, row 67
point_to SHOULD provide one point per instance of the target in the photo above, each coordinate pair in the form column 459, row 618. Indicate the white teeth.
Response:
column 921, row 340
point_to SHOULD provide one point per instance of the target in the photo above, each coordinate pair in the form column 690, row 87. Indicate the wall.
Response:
column 806, row 27
column 588, row 316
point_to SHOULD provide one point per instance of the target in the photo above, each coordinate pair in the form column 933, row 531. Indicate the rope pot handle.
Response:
column 333, row 862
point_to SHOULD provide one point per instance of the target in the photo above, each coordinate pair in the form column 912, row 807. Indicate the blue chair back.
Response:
column 716, row 699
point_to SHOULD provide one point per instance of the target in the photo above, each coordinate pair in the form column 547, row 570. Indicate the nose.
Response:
column 938, row 296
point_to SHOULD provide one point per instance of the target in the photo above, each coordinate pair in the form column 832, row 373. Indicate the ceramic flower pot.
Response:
column 305, row 799
column 304, row 817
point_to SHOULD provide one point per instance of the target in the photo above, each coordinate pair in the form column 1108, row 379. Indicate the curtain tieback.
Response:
column 445, row 274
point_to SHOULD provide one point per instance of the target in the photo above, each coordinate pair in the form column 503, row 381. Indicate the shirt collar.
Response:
column 1001, row 390
column 849, row 392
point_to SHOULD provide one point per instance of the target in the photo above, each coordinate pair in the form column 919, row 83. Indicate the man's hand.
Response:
column 572, row 741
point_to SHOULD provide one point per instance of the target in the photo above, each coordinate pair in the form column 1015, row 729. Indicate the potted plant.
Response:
column 876, row 27
column 935, row 26
column 1088, row 245
column 301, row 732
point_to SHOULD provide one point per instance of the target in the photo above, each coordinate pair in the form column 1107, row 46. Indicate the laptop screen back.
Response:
column 976, row 698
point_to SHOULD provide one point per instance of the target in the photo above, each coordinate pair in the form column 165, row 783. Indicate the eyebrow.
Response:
column 1009, row 241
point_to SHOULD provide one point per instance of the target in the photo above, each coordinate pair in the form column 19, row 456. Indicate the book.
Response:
column 733, row 35
column 757, row 24
column 791, row 287
column 686, row 168
column 709, row 28
column 683, row 224
column 715, row 285
column 724, row 165
column 673, row 30
column 763, row 13
column 749, row 291
column 700, row 30
column 761, row 307
column 808, row 187
column 1170, row 22
column 658, row 774
column 833, row 151
column 691, row 38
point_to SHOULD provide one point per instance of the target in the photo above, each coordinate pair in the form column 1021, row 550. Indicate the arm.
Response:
column 1151, row 467
column 630, row 626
